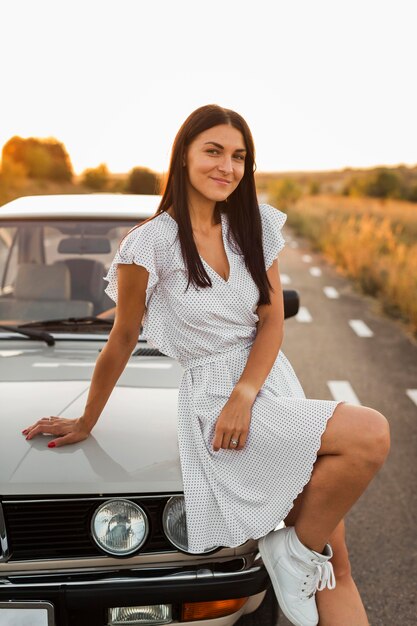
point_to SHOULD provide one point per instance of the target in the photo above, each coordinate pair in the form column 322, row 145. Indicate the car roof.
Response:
column 97, row 205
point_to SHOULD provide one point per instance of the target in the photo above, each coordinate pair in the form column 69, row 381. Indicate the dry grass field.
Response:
column 372, row 241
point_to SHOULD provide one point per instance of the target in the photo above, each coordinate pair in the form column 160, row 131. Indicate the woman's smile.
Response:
column 221, row 181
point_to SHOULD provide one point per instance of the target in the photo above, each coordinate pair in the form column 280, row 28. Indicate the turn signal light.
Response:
column 211, row 609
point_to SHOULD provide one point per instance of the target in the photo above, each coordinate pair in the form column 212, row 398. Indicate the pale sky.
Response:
column 323, row 84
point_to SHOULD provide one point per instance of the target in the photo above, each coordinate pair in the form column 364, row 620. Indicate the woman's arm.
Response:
column 132, row 282
column 267, row 342
column 234, row 419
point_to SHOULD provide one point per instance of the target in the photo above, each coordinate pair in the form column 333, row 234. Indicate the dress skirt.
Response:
column 235, row 495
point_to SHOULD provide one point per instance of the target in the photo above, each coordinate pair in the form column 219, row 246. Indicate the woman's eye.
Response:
column 239, row 156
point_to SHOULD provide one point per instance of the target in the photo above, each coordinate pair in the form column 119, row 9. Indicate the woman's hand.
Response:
column 66, row 430
column 234, row 420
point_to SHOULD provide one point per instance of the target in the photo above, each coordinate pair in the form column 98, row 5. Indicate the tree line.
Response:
column 48, row 160
column 380, row 182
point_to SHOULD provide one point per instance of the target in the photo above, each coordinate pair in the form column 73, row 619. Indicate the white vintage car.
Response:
column 95, row 533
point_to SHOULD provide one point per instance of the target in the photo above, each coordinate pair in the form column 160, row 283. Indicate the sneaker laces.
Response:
column 322, row 576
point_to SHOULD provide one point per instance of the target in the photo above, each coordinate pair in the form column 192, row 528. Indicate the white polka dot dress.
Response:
column 230, row 495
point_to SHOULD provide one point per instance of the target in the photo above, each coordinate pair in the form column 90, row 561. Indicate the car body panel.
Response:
column 91, row 205
column 133, row 448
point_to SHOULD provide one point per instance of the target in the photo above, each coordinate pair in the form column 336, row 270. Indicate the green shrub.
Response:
column 96, row 178
column 142, row 180
column 284, row 193
column 42, row 159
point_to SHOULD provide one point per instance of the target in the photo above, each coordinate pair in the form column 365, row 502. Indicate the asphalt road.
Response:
column 376, row 368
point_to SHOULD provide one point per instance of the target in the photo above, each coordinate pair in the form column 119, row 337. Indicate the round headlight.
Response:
column 175, row 524
column 119, row 527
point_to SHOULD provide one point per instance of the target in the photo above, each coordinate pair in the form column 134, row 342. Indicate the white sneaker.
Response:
column 296, row 572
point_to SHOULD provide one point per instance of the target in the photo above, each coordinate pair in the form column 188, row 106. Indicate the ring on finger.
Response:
column 234, row 442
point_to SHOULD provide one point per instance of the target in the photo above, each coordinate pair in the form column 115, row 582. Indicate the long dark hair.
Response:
column 241, row 207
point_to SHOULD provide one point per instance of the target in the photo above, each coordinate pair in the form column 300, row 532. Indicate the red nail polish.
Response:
column 51, row 444
column 24, row 431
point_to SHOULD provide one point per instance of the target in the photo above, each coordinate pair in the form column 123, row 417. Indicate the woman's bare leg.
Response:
column 342, row 605
column 353, row 448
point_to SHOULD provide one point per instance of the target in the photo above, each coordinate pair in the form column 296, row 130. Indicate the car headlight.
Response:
column 119, row 527
column 175, row 524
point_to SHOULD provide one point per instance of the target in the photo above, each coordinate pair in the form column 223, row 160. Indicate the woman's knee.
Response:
column 358, row 431
column 375, row 437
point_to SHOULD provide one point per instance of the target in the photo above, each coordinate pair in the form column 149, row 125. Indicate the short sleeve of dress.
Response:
column 272, row 222
column 144, row 246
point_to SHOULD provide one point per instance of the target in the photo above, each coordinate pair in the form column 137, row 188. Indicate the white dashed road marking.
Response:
column 306, row 258
column 360, row 328
column 331, row 292
column 343, row 390
column 315, row 271
column 303, row 315
column 285, row 279
column 412, row 394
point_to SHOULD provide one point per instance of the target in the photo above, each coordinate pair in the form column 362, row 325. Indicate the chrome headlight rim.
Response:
column 172, row 541
column 109, row 551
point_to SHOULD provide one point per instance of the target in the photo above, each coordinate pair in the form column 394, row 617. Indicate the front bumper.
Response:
column 83, row 599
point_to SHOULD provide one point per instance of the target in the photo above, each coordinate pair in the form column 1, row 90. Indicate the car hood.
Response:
column 132, row 449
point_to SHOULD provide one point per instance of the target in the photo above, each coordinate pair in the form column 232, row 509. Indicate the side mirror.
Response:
column 291, row 303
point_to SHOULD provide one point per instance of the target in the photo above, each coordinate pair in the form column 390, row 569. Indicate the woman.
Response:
column 253, row 449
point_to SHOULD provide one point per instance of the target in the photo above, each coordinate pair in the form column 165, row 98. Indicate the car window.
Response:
column 8, row 259
column 87, row 232
column 55, row 269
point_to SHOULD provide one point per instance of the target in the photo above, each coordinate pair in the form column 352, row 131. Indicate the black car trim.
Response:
column 191, row 575
column 4, row 544
column 87, row 497
column 87, row 604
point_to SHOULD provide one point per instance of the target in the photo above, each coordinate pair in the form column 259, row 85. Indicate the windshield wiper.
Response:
column 32, row 334
column 70, row 321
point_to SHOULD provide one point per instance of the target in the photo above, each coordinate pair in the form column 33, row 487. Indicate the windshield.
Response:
column 55, row 269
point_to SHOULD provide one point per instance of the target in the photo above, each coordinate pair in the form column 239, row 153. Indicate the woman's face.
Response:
column 215, row 155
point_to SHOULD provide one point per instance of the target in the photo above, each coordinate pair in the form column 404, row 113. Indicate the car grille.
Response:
column 60, row 528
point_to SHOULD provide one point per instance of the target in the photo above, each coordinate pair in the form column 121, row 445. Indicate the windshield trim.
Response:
column 65, row 336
